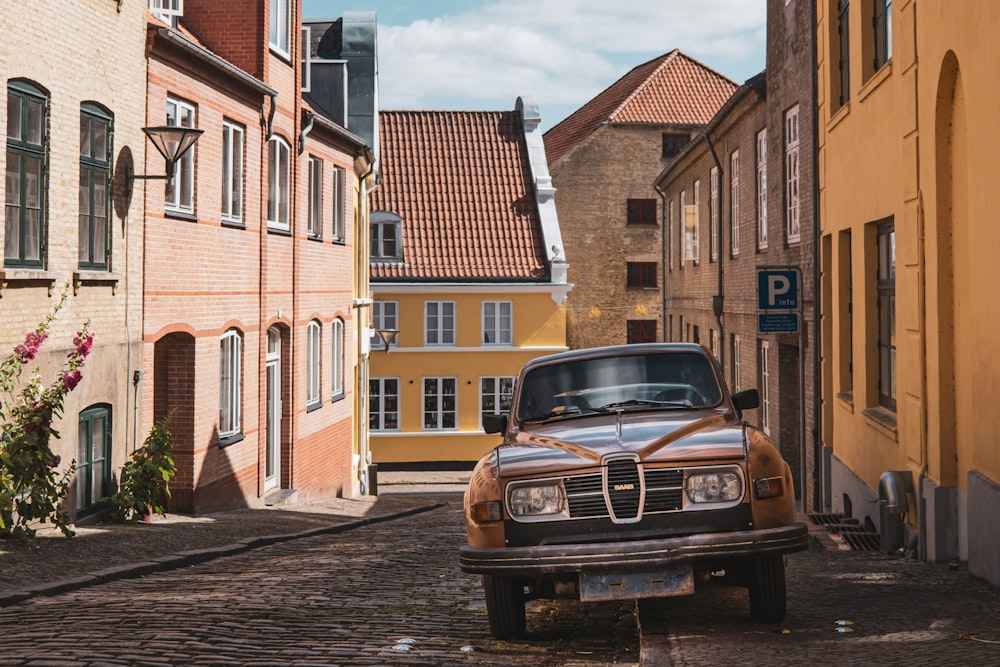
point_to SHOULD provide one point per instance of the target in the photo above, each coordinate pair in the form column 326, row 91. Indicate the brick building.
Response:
column 75, row 103
column 738, row 200
column 251, row 268
column 604, row 158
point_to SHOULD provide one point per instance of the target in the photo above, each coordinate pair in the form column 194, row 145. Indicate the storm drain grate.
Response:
column 849, row 530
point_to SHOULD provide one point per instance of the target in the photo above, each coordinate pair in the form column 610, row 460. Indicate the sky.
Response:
column 481, row 55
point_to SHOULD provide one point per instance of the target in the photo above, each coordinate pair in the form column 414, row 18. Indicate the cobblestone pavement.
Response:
column 375, row 582
column 386, row 593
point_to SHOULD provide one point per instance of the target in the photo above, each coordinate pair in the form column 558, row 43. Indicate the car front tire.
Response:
column 767, row 589
column 505, row 606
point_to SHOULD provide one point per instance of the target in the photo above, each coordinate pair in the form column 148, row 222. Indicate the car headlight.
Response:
column 525, row 502
column 715, row 486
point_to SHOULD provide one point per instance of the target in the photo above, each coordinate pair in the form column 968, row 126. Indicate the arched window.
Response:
column 313, row 332
column 230, row 383
column 95, row 187
column 338, row 357
column 277, row 183
column 27, row 155
column 93, row 461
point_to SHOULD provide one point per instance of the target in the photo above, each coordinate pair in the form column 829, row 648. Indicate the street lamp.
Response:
column 172, row 142
column 388, row 337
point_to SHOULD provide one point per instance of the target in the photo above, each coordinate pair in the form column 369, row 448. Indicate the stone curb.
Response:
column 193, row 557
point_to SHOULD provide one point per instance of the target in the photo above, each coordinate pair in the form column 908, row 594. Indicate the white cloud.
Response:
column 561, row 51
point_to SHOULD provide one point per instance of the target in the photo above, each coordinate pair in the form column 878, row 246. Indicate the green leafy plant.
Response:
column 144, row 486
column 31, row 484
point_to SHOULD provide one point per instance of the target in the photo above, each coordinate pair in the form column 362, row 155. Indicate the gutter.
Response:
column 186, row 45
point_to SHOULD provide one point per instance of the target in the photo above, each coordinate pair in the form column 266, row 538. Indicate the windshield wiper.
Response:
column 643, row 403
column 560, row 412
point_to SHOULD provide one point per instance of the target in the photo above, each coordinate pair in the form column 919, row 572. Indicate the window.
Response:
column 439, row 403
column 765, row 392
column 312, row 362
column 383, row 404
column 670, row 231
column 95, row 184
column 384, row 316
column 306, row 58
column 495, row 395
column 230, row 376
column 386, row 235
column 734, row 204
column 713, row 214
column 180, row 189
column 27, row 149
column 498, row 317
column 641, row 331
column 641, row 274
column 673, row 143
column 762, row 189
column 882, row 23
column 886, row 288
column 735, row 352
column 280, row 26
column 843, row 80
column 792, row 174
column 339, row 201
column 713, row 342
column 846, row 311
column 641, row 211
column 93, row 467
column 232, row 172
column 691, row 227
column 167, row 11
column 277, row 183
column 337, row 357
column 439, row 319
column 315, row 198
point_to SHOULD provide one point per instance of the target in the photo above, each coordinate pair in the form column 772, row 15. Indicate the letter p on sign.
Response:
column 777, row 289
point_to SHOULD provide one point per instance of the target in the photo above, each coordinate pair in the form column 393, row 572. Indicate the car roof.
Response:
column 617, row 351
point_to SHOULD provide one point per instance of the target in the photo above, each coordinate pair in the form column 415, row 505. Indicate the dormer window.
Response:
column 387, row 236
column 167, row 11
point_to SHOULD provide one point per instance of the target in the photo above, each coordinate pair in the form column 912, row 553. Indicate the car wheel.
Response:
column 504, row 606
column 767, row 589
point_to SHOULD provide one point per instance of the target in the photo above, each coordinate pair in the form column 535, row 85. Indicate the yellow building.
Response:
column 467, row 272
column 907, row 100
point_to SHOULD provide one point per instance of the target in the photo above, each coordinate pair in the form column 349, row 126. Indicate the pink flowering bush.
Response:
column 31, row 486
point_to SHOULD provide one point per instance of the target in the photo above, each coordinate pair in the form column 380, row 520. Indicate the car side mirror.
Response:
column 748, row 399
column 494, row 423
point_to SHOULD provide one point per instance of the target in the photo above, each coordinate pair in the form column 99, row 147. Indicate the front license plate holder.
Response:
column 676, row 580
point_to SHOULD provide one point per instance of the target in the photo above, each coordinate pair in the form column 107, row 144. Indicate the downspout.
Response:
column 310, row 118
column 663, row 257
column 270, row 117
column 817, row 278
column 922, row 306
column 363, row 302
column 719, row 299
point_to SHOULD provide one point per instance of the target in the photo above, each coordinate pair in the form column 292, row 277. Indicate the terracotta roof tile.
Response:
column 671, row 89
column 462, row 184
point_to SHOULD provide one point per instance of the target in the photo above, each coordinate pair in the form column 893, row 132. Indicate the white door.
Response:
column 272, row 457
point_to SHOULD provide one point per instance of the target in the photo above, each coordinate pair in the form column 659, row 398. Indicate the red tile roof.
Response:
column 462, row 184
column 671, row 89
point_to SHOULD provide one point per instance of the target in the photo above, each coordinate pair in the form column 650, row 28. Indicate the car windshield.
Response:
column 638, row 381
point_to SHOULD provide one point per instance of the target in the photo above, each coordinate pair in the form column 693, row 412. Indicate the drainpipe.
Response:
column 310, row 119
column 663, row 257
column 719, row 298
column 817, row 272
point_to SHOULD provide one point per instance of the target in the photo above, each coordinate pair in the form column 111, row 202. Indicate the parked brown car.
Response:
column 627, row 472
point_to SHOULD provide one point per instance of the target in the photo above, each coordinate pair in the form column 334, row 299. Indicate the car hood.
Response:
column 653, row 436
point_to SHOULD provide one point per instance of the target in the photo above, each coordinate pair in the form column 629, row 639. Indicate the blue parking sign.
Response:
column 777, row 289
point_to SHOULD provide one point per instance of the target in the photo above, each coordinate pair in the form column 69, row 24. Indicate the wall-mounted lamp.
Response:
column 388, row 337
column 172, row 142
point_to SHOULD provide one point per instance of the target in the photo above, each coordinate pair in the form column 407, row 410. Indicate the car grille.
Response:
column 623, row 500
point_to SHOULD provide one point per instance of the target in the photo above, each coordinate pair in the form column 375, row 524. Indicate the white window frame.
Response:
column 377, row 401
column 690, row 226
column 181, row 114
column 713, row 342
column 315, row 208
column 734, row 204
column 279, row 32
column 498, row 325
column 437, row 331
column 435, row 415
column 501, row 394
column 670, row 232
column 337, row 357
column 339, row 200
column 167, row 11
column 379, row 221
column 314, row 338
column 230, row 376
column 765, row 382
column 762, row 189
column 385, row 315
column 278, row 183
column 792, row 220
column 737, row 364
column 306, row 58
column 713, row 208
column 232, row 171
